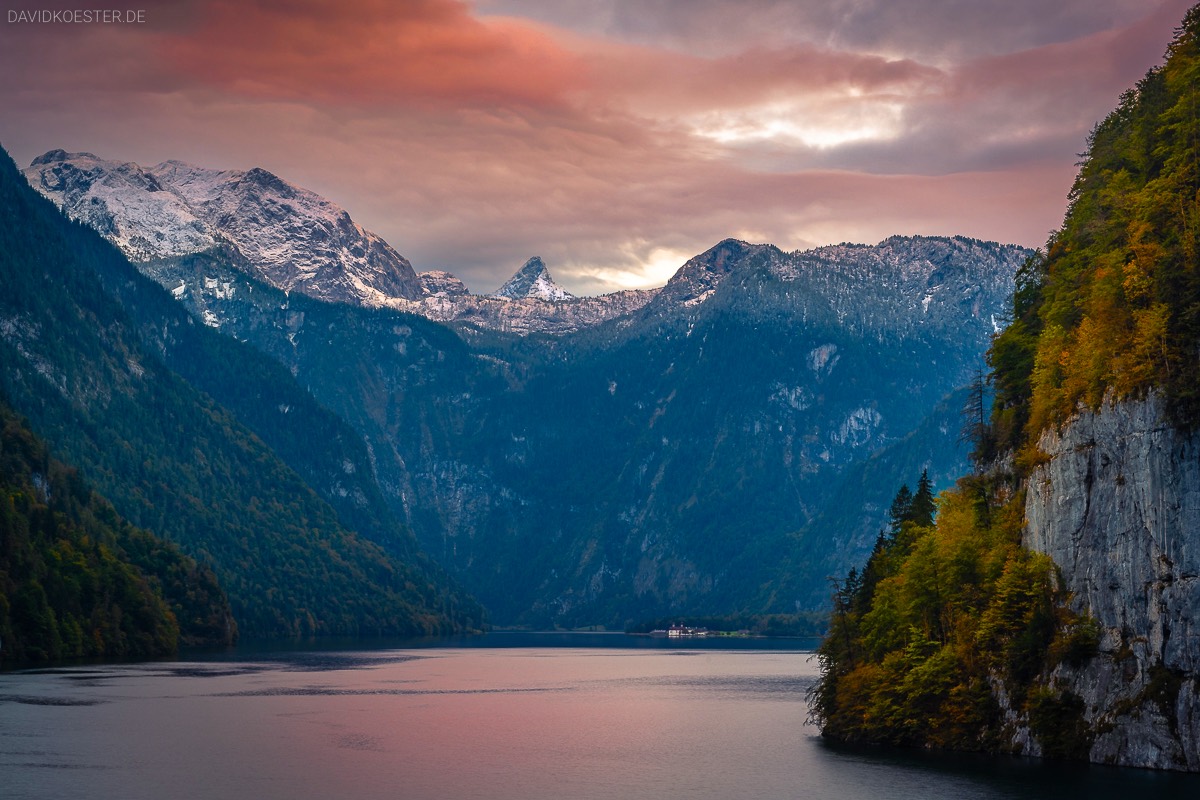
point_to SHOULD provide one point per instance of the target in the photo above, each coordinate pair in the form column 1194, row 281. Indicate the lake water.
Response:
column 494, row 717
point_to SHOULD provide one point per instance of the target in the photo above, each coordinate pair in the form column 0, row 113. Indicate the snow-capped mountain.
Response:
column 901, row 287
column 533, row 281
column 288, row 237
column 528, row 314
column 295, row 240
column 528, row 302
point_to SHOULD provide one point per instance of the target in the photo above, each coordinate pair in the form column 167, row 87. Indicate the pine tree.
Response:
column 923, row 505
column 975, row 429
column 901, row 510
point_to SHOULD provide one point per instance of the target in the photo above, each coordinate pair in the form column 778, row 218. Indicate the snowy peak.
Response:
column 289, row 237
column 533, row 281
column 293, row 239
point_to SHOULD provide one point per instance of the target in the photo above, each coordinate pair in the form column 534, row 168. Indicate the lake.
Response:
column 503, row 716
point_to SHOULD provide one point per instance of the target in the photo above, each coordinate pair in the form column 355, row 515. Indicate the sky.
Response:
column 613, row 138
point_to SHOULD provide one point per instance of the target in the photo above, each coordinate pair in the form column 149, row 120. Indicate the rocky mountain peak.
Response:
column 694, row 281
column 439, row 283
column 53, row 156
column 288, row 236
column 533, row 281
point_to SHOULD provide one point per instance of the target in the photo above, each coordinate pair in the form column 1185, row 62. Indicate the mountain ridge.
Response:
column 293, row 239
column 783, row 370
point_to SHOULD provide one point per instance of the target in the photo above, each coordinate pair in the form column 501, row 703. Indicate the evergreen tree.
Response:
column 975, row 429
column 923, row 505
column 901, row 510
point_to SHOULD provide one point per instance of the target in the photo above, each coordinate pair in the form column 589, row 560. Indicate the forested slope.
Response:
column 77, row 580
column 174, row 461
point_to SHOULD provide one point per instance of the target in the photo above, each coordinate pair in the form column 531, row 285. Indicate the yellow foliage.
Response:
column 962, row 607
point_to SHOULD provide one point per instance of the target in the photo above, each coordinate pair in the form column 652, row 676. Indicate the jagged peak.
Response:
column 533, row 280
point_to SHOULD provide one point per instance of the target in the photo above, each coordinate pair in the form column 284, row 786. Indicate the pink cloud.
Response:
column 371, row 51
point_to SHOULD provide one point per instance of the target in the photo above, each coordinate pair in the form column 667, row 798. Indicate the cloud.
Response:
column 931, row 31
column 372, row 51
column 472, row 140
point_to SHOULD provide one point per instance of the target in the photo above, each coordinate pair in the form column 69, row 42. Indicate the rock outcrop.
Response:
column 1117, row 506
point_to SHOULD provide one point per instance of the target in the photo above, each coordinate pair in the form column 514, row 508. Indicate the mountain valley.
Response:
column 582, row 461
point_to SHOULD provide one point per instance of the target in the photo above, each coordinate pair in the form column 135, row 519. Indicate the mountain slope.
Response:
column 169, row 457
column 77, row 580
column 713, row 430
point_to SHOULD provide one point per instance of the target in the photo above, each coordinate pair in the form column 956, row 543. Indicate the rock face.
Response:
column 442, row 284
column 289, row 237
column 1117, row 507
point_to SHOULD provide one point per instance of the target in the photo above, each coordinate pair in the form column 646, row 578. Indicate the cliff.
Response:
column 1117, row 506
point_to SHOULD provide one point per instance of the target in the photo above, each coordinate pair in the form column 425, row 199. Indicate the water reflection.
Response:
column 547, row 720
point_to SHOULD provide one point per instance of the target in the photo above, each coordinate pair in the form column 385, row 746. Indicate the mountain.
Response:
column 670, row 458
column 85, row 342
column 533, row 281
column 288, row 236
column 294, row 240
column 1052, row 609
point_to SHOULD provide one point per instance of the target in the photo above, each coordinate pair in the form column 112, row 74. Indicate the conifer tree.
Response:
column 901, row 510
column 923, row 506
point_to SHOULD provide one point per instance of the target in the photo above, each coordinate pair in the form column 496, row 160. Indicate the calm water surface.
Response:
column 556, row 717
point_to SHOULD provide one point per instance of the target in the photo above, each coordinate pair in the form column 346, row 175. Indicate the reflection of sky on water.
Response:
column 501, row 723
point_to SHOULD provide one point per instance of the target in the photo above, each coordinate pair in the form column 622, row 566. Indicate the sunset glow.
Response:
column 473, row 135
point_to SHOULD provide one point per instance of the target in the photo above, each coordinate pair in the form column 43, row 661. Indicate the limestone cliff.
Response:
column 1117, row 506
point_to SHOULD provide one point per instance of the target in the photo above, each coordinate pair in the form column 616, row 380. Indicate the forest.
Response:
column 78, row 580
column 949, row 608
